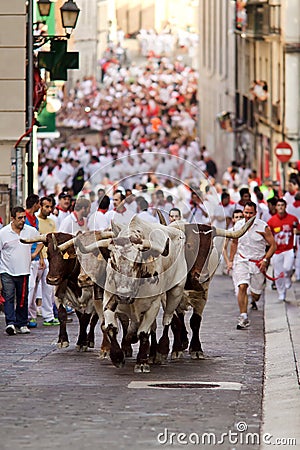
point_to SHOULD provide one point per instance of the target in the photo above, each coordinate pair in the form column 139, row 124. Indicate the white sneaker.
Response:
column 39, row 311
column 23, row 330
column 10, row 330
column 242, row 323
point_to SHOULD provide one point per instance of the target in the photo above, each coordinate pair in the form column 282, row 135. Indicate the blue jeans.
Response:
column 15, row 288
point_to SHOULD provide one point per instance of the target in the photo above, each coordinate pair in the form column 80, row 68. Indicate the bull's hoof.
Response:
column 81, row 348
column 128, row 352
column 142, row 368
column 117, row 359
column 62, row 344
column 104, row 354
column 177, row 355
column 91, row 344
column 160, row 358
column 197, row 355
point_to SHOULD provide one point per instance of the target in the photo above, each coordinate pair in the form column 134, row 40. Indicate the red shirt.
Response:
column 282, row 229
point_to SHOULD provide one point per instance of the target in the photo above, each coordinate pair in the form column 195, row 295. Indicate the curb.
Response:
column 281, row 394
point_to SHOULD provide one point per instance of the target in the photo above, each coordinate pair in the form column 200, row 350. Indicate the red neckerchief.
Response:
column 61, row 209
column 102, row 210
column 79, row 221
column 296, row 203
column 31, row 219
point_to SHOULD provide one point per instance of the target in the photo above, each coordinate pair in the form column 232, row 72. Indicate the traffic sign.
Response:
column 283, row 151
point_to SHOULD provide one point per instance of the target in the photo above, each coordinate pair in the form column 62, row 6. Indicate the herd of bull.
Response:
column 127, row 274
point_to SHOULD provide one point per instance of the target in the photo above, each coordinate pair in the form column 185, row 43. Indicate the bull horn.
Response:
column 54, row 242
column 66, row 245
column 104, row 243
column 104, row 234
column 40, row 238
column 234, row 234
column 162, row 220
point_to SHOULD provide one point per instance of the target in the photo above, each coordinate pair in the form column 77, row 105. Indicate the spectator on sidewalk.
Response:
column 46, row 225
column 15, row 260
column 37, row 260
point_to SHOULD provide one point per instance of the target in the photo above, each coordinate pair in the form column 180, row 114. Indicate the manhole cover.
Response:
column 184, row 385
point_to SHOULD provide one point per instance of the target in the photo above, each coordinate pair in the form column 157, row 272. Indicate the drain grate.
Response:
column 183, row 384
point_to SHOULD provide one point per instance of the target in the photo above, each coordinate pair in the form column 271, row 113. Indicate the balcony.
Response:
column 262, row 19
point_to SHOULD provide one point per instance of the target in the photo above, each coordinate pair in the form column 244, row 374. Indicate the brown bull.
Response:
column 64, row 272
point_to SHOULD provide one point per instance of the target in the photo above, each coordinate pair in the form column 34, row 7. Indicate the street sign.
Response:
column 283, row 152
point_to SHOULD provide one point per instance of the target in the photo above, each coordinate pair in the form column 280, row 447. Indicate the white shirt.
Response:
column 197, row 216
column 15, row 257
column 61, row 216
column 222, row 212
column 71, row 226
column 120, row 218
column 251, row 245
column 147, row 217
column 98, row 221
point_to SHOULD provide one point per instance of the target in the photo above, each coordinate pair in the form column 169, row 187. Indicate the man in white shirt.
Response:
column 62, row 210
column 198, row 213
column 76, row 221
column 98, row 220
column 142, row 210
column 249, row 258
column 15, row 260
column 223, row 212
column 119, row 215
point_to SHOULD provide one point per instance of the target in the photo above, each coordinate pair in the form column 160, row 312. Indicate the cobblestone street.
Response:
column 64, row 399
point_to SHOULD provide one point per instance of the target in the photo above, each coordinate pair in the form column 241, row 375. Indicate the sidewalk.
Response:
column 281, row 400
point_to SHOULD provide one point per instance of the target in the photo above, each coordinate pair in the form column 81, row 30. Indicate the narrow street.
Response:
column 74, row 400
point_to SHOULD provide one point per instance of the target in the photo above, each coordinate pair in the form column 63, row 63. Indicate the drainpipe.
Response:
column 30, row 96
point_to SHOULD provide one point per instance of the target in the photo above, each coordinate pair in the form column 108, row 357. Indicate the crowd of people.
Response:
column 272, row 238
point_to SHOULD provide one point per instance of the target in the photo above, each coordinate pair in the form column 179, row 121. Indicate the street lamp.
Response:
column 69, row 15
column 44, row 7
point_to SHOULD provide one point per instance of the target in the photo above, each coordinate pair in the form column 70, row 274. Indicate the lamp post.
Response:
column 69, row 16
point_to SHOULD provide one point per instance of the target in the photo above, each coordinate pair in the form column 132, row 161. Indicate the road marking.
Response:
column 180, row 384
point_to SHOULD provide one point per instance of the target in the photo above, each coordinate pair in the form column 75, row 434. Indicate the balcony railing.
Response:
column 261, row 108
column 262, row 19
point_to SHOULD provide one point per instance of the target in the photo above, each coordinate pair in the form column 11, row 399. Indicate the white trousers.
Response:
column 283, row 262
column 47, row 292
column 32, row 286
